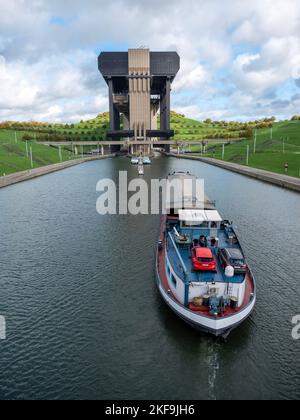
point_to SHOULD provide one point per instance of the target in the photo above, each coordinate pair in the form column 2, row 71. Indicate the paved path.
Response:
column 44, row 170
column 284, row 181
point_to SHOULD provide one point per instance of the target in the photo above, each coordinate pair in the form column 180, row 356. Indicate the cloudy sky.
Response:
column 240, row 59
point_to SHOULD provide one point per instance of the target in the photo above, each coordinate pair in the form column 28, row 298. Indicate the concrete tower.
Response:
column 139, row 85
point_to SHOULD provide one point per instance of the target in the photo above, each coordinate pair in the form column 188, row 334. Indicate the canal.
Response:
column 84, row 317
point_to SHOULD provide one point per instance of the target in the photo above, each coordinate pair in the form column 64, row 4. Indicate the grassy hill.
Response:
column 13, row 137
column 14, row 156
column 273, row 149
column 96, row 129
column 271, row 152
column 188, row 129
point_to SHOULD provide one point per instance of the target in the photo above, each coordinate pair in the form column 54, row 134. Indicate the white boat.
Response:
column 201, row 269
column 134, row 161
column 146, row 160
column 141, row 169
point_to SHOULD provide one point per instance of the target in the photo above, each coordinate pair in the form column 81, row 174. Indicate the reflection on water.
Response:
column 85, row 319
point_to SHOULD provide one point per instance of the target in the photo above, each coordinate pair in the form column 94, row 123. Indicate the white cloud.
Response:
column 18, row 89
column 251, row 80
column 268, row 18
column 191, row 79
column 53, row 88
column 50, row 70
column 278, row 61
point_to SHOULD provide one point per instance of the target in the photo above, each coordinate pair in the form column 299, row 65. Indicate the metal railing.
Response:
column 183, row 266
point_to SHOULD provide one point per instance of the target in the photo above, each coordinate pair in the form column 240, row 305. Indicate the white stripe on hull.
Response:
column 205, row 323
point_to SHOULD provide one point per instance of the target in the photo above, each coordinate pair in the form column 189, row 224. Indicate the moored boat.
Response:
column 146, row 160
column 201, row 268
column 141, row 170
column 134, row 161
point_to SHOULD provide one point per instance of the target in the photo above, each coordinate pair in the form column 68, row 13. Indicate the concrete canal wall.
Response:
column 280, row 180
column 7, row 180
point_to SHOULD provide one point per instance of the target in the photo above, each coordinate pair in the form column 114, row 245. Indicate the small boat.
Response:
column 146, row 160
column 202, row 273
column 134, row 161
column 141, row 170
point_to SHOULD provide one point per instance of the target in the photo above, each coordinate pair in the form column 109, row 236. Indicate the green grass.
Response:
column 96, row 129
column 188, row 129
column 269, row 152
column 91, row 130
column 272, row 152
column 13, row 157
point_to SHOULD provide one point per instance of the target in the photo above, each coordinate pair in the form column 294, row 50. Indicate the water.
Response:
column 85, row 320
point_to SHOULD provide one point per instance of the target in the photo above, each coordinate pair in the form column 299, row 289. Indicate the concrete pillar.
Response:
column 165, row 109
column 139, row 93
column 162, row 111
column 168, row 103
column 126, row 125
column 117, row 119
column 114, row 115
column 111, row 105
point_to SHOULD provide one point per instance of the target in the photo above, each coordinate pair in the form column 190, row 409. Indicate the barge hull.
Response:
column 201, row 322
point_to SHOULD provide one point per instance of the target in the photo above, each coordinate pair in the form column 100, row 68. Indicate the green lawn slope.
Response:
column 272, row 150
column 13, row 154
column 274, row 147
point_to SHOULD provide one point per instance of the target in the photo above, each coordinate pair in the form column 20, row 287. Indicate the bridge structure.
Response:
column 139, row 86
column 130, row 145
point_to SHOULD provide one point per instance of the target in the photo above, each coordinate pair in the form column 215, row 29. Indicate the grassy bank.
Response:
column 14, row 156
column 271, row 150
column 96, row 129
